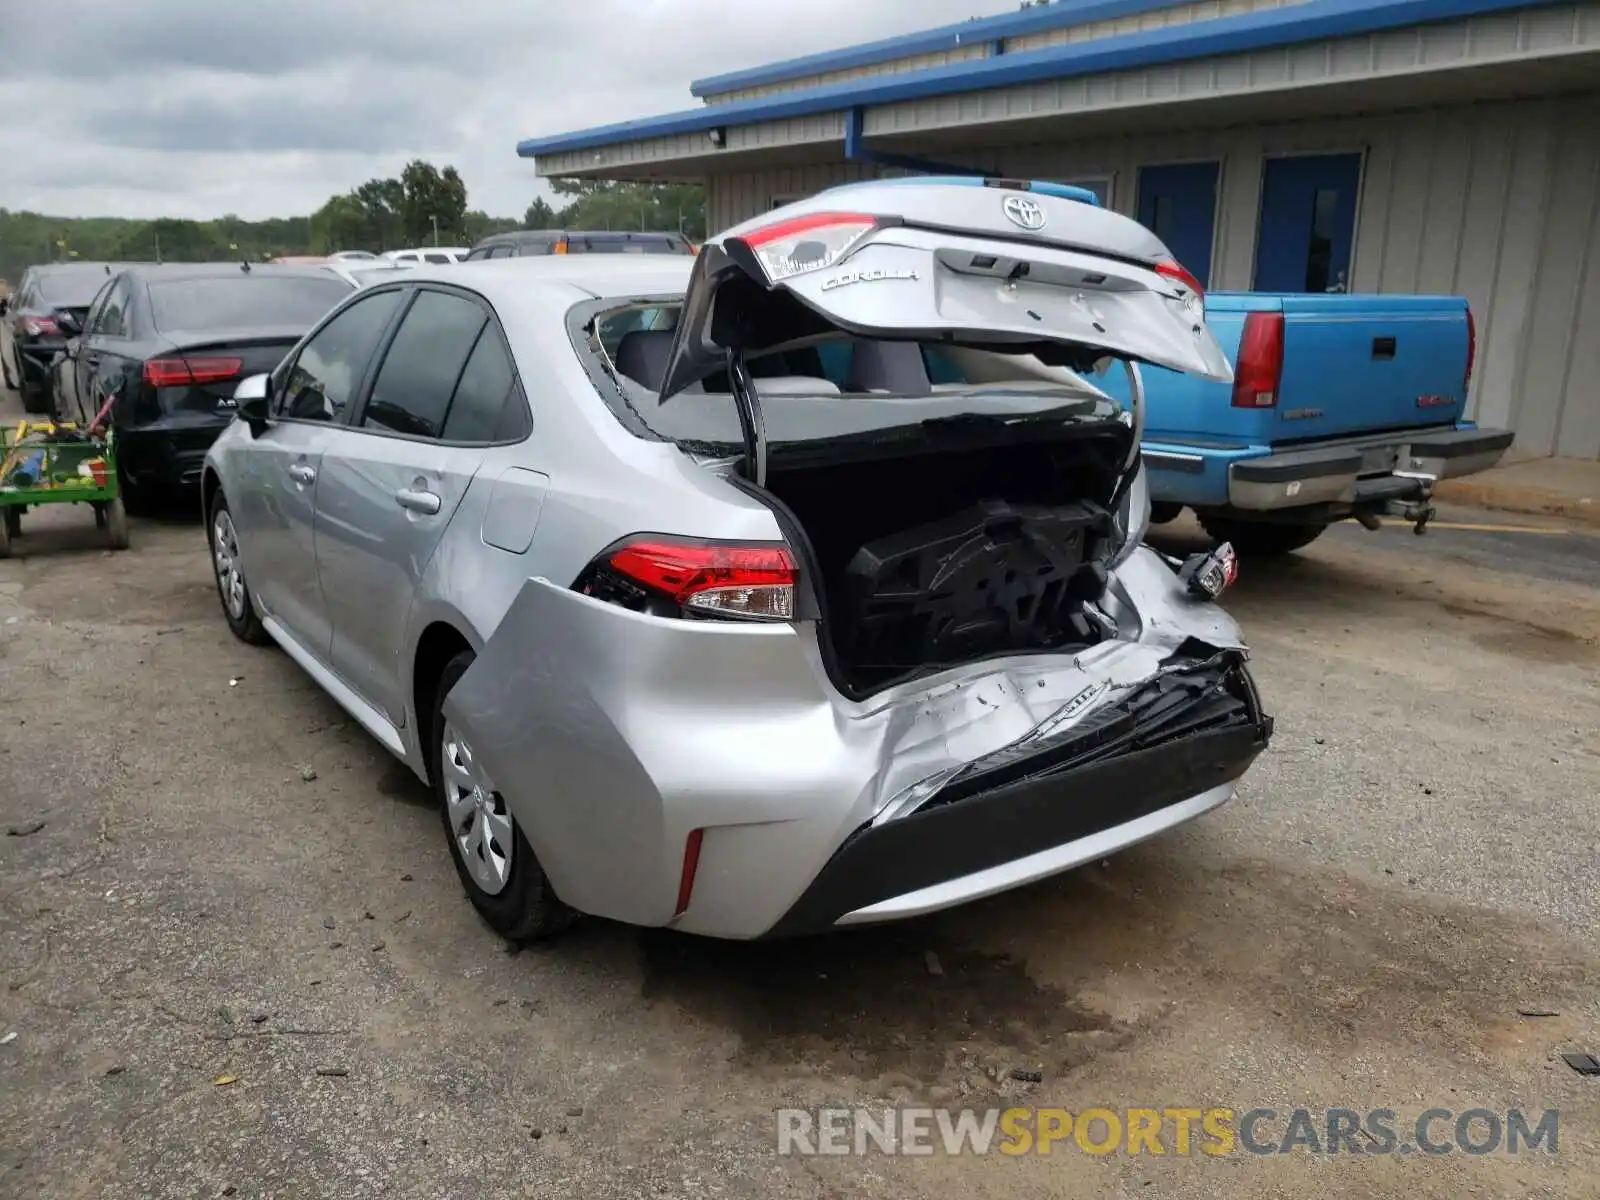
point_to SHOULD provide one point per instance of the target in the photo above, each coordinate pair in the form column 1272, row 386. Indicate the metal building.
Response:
column 1281, row 145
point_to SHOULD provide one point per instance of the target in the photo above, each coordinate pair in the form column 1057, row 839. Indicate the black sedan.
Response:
column 47, row 309
column 162, row 349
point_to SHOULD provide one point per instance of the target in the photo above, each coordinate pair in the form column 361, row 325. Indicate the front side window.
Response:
column 324, row 378
column 412, row 392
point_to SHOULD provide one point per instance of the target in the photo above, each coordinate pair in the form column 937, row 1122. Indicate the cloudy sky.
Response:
column 195, row 108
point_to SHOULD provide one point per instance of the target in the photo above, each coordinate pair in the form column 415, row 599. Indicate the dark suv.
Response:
column 538, row 242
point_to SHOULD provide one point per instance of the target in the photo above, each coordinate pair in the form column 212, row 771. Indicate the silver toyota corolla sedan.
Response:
column 794, row 586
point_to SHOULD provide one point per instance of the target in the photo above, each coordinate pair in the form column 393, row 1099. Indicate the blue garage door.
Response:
column 1308, row 223
column 1178, row 203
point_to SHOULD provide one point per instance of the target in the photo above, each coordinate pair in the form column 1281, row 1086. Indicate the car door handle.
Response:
column 418, row 501
column 301, row 473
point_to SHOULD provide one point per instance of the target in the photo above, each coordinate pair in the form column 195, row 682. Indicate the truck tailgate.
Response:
column 1366, row 363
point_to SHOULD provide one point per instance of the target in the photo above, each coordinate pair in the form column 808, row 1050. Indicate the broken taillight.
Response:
column 740, row 581
column 809, row 243
column 1172, row 269
column 1208, row 575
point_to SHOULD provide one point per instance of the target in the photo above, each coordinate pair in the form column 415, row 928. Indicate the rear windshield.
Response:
column 839, row 387
column 228, row 302
column 70, row 289
column 578, row 244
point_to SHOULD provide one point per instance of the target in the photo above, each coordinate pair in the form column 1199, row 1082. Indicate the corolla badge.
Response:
column 1023, row 212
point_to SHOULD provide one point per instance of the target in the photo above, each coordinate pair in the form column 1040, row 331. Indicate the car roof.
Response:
column 179, row 272
column 543, row 235
column 602, row 276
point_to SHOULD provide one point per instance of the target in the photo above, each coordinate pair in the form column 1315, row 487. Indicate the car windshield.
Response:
column 885, row 386
column 226, row 302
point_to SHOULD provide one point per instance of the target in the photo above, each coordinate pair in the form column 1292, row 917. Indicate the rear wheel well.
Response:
column 210, row 485
column 439, row 643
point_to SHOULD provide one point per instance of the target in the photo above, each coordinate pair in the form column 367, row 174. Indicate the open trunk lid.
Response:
column 1008, row 266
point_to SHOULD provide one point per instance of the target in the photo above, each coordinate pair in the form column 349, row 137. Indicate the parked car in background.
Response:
column 1341, row 407
column 353, row 256
column 749, row 628
column 360, row 272
column 47, row 308
column 162, row 349
column 537, row 243
column 428, row 254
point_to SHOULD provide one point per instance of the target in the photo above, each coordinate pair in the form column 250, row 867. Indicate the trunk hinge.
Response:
column 1136, row 403
column 751, row 423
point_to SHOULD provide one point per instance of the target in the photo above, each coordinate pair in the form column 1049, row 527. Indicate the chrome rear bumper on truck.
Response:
column 1372, row 469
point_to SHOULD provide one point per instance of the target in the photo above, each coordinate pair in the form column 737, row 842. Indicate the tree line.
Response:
column 424, row 204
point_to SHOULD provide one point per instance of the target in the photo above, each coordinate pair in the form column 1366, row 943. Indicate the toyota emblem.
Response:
column 1024, row 212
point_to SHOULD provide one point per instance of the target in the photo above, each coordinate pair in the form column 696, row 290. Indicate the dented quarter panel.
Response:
column 612, row 736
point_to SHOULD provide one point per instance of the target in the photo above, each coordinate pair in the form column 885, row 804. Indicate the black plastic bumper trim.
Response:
column 1283, row 468
column 1462, row 443
column 947, row 842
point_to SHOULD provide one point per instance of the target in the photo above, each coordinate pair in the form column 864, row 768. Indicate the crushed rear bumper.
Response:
column 1164, row 754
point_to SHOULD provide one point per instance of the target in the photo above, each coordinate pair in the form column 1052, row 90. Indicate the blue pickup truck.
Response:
column 1342, row 406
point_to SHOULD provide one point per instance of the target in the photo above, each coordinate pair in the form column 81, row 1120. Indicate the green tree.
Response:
column 430, row 196
column 539, row 215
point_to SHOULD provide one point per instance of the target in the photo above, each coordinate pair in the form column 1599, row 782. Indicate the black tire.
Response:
column 525, row 909
column 14, row 520
column 137, row 499
column 116, row 520
column 246, row 626
column 5, row 370
column 5, row 539
column 1262, row 539
column 35, row 400
column 1163, row 512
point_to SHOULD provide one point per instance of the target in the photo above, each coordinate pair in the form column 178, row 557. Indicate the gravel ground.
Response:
column 226, row 978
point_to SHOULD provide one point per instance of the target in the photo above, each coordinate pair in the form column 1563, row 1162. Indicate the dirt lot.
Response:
column 1412, row 862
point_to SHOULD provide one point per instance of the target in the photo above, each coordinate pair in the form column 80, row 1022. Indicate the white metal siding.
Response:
column 1161, row 18
column 1499, row 202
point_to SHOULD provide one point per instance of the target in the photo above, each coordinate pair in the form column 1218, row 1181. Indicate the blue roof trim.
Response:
column 1063, row 14
column 1062, row 191
column 1311, row 21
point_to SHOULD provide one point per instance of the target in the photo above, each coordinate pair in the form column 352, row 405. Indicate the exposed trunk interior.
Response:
column 957, row 550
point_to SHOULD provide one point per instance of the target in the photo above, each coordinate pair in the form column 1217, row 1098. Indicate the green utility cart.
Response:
column 46, row 462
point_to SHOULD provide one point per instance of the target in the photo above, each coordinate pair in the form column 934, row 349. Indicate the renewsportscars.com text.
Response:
column 1212, row 1132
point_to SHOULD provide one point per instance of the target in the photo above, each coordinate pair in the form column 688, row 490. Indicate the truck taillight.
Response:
column 740, row 581
column 1472, row 349
column 1259, row 372
column 39, row 327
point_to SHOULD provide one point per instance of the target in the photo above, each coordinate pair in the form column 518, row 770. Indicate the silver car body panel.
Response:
column 613, row 734
column 632, row 713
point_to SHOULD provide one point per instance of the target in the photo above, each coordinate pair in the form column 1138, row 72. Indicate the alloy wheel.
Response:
column 479, row 819
column 225, row 555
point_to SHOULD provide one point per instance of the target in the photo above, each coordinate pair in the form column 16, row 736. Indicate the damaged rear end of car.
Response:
column 955, row 669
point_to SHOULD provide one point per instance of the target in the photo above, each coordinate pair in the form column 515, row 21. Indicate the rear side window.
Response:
column 325, row 376
column 228, row 302
column 481, row 392
column 427, row 357
column 528, row 250
column 112, row 320
column 438, row 258
column 68, row 289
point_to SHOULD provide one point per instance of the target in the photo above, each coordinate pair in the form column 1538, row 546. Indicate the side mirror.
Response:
column 68, row 324
column 252, row 401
